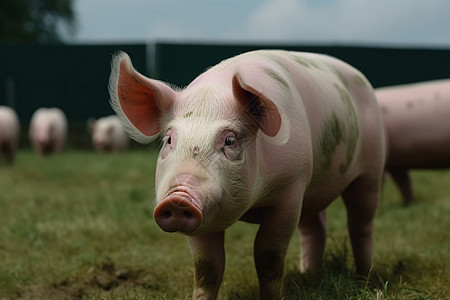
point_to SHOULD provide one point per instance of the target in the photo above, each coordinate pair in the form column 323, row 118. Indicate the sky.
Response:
column 354, row 22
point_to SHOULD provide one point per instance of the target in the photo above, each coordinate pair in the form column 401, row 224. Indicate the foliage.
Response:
column 79, row 226
column 35, row 21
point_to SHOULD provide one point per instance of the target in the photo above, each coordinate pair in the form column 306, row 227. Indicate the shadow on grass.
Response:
column 336, row 280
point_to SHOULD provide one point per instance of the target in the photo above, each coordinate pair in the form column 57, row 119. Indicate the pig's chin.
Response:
column 215, row 220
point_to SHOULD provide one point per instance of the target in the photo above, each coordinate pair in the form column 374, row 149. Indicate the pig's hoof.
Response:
column 178, row 212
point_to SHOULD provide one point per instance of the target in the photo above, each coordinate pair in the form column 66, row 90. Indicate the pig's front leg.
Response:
column 275, row 232
column 209, row 260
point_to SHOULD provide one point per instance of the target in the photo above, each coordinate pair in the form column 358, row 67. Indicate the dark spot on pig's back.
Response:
column 359, row 80
column 329, row 140
column 206, row 274
column 276, row 76
column 304, row 61
column 341, row 77
column 336, row 130
column 280, row 61
column 351, row 129
column 301, row 61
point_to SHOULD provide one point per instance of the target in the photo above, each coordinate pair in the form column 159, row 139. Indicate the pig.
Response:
column 108, row 134
column 48, row 131
column 9, row 133
column 268, row 137
column 417, row 123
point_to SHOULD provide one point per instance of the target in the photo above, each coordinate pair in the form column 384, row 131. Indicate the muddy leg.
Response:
column 277, row 226
column 209, row 261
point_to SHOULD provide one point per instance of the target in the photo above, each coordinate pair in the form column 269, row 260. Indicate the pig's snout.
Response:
column 177, row 213
column 180, row 209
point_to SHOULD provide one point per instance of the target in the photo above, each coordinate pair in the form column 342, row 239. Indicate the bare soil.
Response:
column 104, row 279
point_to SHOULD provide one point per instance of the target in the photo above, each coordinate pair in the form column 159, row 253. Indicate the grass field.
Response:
column 79, row 226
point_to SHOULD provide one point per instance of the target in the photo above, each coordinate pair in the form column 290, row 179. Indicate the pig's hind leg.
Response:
column 403, row 181
column 361, row 200
column 313, row 231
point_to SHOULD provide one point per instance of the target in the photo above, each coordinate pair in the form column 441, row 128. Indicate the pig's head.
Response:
column 43, row 134
column 208, row 130
column 102, row 132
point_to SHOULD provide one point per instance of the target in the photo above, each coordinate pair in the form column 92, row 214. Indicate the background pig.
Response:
column 417, row 122
column 9, row 133
column 48, row 131
column 108, row 134
column 265, row 137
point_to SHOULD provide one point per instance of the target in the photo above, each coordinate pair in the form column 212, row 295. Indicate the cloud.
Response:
column 350, row 20
column 164, row 29
column 277, row 19
column 272, row 21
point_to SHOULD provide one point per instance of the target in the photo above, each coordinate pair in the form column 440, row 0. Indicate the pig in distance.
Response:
column 48, row 131
column 9, row 134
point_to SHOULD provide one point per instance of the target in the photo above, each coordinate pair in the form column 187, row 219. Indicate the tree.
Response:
column 35, row 21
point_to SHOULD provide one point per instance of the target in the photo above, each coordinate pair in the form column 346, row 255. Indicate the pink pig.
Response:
column 48, row 131
column 9, row 133
column 266, row 137
column 417, row 122
column 108, row 134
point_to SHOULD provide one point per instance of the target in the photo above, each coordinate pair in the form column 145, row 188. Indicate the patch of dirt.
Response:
column 104, row 278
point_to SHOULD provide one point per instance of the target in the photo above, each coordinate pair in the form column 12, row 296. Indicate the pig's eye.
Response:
column 169, row 142
column 230, row 145
column 230, row 141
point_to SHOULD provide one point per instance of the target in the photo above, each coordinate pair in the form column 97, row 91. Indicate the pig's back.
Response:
column 417, row 122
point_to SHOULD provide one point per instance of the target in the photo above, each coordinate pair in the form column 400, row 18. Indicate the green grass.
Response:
column 79, row 226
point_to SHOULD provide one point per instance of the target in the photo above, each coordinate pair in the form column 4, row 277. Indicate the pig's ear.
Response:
column 139, row 101
column 259, row 106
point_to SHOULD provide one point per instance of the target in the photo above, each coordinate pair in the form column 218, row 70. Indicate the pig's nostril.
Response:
column 188, row 214
column 167, row 214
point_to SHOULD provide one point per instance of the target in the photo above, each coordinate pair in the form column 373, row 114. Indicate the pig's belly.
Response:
column 314, row 202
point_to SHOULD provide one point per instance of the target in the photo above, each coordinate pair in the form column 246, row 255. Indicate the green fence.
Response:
column 74, row 78
column 180, row 63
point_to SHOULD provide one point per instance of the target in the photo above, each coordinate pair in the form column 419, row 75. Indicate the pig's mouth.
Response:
column 179, row 210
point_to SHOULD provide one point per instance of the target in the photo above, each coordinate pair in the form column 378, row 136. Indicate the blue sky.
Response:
column 372, row 22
